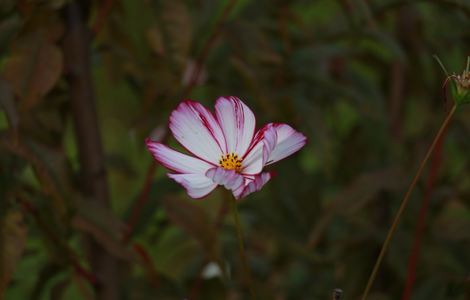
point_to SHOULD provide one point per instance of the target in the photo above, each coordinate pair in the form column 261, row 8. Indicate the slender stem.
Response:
column 436, row 160
column 241, row 246
column 404, row 202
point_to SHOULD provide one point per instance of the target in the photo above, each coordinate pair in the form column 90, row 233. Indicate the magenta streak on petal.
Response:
column 241, row 123
column 238, row 191
column 206, row 123
column 239, row 117
column 249, row 177
column 228, row 178
column 269, row 142
column 170, row 122
column 194, row 106
column 255, row 185
column 190, row 188
column 164, row 160
column 197, row 156
column 289, row 141
column 258, row 138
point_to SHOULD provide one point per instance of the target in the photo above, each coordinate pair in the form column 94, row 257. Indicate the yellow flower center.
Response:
column 231, row 161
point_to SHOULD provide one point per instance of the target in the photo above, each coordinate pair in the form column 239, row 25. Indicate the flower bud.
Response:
column 461, row 89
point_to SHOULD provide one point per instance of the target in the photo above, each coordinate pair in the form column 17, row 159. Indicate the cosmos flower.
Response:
column 225, row 148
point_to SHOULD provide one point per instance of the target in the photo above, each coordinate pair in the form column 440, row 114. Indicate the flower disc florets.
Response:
column 231, row 161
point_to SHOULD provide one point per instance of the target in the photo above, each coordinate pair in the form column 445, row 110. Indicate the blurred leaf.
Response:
column 8, row 28
column 354, row 196
column 174, row 253
column 108, row 240
column 155, row 40
column 45, row 276
column 33, row 68
column 8, row 104
column 177, row 30
column 13, row 238
column 453, row 222
column 194, row 220
column 78, row 289
column 104, row 226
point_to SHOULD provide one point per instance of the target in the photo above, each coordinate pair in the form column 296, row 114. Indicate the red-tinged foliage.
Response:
column 83, row 83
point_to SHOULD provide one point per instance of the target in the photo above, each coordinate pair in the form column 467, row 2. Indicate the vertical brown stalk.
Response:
column 92, row 169
column 420, row 226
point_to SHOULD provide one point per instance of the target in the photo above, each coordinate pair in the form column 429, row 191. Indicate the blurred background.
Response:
column 86, row 214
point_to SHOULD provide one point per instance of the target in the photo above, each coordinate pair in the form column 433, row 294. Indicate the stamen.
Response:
column 230, row 161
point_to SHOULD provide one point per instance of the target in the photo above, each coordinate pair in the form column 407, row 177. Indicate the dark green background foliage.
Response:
column 357, row 77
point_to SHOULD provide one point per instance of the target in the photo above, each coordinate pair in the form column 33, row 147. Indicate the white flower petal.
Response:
column 255, row 185
column 260, row 149
column 269, row 142
column 196, row 185
column 253, row 162
column 288, row 142
column 237, row 122
column 230, row 179
column 197, row 130
column 175, row 160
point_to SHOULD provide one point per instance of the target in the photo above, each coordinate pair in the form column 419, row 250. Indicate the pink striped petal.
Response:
column 237, row 122
column 288, row 142
column 238, row 191
column 269, row 142
column 198, row 131
column 196, row 185
column 255, row 185
column 260, row 149
column 175, row 160
column 230, row 179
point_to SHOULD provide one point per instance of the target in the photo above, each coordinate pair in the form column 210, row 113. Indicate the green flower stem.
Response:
column 241, row 246
column 404, row 202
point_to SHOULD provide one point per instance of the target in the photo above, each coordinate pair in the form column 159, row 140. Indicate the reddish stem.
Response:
column 141, row 201
column 147, row 263
column 101, row 16
column 84, row 273
column 420, row 226
column 404, row 203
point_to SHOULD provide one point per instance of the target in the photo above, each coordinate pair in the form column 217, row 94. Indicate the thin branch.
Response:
column 140, row 203
column 147, row 263
column 404, row 202
column 418, row 236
